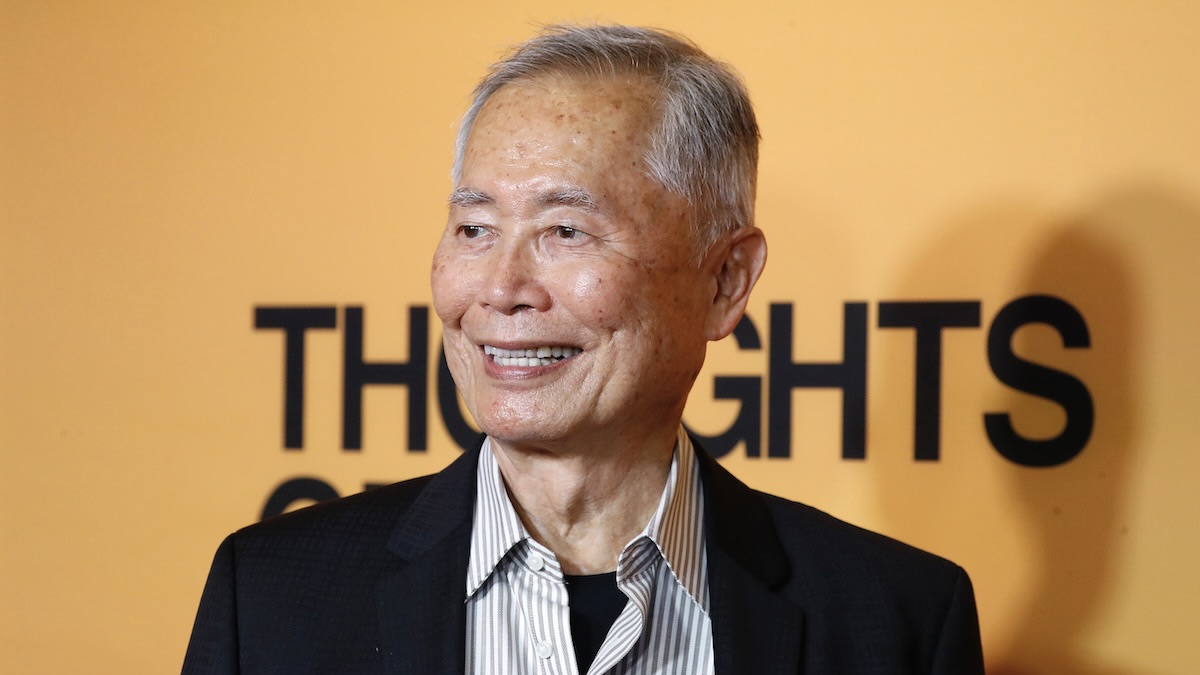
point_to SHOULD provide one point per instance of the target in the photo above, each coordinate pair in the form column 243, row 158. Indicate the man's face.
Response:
column 558, row 245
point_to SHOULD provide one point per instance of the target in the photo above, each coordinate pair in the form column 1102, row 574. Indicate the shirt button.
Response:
column 544, row 650
column 536, row 563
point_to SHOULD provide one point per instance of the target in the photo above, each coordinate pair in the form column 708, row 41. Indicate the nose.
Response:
column 514, row 280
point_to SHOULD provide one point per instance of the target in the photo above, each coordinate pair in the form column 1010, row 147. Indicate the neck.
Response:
column 586, row 506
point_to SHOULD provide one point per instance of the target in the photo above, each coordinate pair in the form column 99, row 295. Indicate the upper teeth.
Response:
column 537, row 356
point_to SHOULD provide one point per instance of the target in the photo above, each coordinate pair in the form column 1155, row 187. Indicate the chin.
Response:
column 517, row 432
column 521, row 431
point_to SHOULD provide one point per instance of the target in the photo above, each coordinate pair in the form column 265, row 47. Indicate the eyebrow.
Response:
column 571, row 196
column 463, row 197
column 576, row 197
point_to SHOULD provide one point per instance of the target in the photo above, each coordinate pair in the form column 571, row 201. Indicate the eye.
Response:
column 566, row 232
column 471, row 231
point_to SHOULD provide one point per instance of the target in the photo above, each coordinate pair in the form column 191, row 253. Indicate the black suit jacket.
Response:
column 375, row 583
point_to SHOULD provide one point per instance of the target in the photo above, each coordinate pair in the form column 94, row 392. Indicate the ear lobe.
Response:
column 736, row 275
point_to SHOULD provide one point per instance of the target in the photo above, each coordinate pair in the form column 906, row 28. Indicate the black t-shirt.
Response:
column 595, row 604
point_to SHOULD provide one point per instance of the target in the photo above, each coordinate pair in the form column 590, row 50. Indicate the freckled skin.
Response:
column 624, row 288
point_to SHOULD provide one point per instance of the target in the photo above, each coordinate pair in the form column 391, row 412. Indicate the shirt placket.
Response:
column 536, row 582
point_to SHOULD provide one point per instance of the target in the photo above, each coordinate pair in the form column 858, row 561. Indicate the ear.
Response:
column 736, row 272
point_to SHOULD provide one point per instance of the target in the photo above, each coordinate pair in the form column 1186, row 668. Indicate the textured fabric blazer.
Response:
column 375, row 583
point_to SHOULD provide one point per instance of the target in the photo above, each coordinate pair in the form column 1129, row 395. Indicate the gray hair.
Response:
column 705, row 143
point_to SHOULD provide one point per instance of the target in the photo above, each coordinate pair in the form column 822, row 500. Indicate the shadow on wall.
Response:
column 1055, row 567
column 1074, row 509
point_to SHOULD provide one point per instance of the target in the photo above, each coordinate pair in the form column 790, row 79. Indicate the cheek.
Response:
column 450, row 284
column 647, row 284
column 601, row 297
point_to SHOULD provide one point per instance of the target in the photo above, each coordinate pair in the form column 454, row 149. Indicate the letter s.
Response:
column 1038, row 380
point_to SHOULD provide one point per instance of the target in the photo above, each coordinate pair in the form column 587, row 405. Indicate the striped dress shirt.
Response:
column 518, row 616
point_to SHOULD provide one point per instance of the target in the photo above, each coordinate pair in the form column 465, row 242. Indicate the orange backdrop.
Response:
column 168, row 169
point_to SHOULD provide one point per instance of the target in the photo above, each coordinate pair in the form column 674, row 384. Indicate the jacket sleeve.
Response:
column 213, row 649
column 959, row 650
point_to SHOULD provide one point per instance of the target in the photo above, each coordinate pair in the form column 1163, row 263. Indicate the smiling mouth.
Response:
column 536, row 356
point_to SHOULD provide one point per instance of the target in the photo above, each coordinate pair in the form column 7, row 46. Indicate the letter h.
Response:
column 357, row 374
column 850, row 375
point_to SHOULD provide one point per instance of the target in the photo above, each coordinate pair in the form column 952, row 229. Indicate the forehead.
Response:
column 535, row 141
column 565, row 113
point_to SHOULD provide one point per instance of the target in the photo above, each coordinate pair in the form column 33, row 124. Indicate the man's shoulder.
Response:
column 859, row 588
column 810, row 527
column 829, row 553
column 430, row 504
column 813, row 542
column 377, row 502
column 364, row 518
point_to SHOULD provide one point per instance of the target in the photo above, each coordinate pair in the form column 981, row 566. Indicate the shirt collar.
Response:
column 497, row 527
column 676, row 528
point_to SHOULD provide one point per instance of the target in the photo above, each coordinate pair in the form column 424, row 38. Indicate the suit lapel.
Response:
column 422, row 611
column 421, row 603
column 755, row 630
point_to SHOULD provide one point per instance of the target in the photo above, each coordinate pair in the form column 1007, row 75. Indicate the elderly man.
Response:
column 601, row 233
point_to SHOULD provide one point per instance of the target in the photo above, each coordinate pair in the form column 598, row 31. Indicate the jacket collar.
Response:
column 755, row 630
column 423, row 617
column 420, row 603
